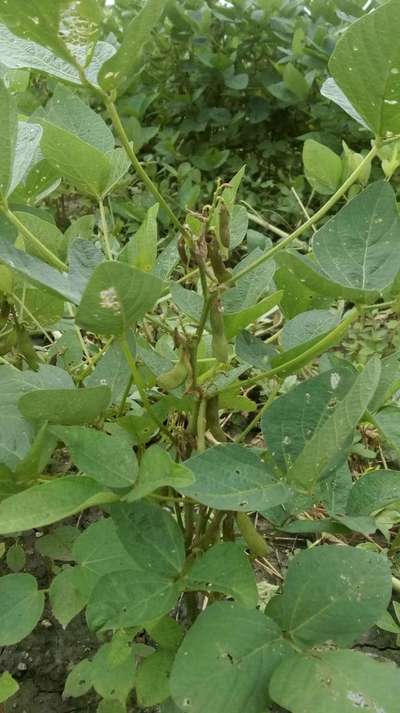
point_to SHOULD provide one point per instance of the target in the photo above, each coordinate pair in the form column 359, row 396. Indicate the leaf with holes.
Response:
column 234, row 478
column 224, row 642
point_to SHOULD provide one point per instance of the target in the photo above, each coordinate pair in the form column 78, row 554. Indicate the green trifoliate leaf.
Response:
column 328, row 441
column 336, row 682
column 8, row 139
column 333, row 593
column 322, row 167
column 21, row 606
column 47, row 503
column 215, row 669
column 8, row 686
column 225, row 568
column 293, row 418
column 16, row 52
column 150, row 534
column 373, row 492
column 232, row 477
column 366, row 66
column 118, row 71
column 65, row 406
column 99, row 551
column 108, row 459
column 66, row 599
column 308, row 327
column 152, row 683
column 357, row 248
column 158, row 469
column 116, row 297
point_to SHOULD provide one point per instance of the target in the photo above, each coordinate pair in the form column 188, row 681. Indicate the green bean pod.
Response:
column 255, row 542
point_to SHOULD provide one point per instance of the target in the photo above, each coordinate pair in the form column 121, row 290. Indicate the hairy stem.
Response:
column 311, row 221
column 117, row 123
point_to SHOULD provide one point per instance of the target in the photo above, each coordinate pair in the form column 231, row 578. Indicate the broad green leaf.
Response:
column 21, row 606
column 79, row 680
column 332, row 91
column 116, row 297
column 113, row 679
column 65, row 406
column 130, row 598
column 47, row 234
column 65, row 597
column 295, row 81
column 334, row 491
column 234, row 322
column 370, row 79
column 16, row 52
column 8, row 686
column 16, row 558
column 388, row 422
column 8, row 139
column 336, row 682
column 119, row 167
column 188, row 301
column 333, row 593
column 16, row 434
column 46, row 307
column 37, row 272
column 252, row 286
column 389, row 381
column 67, row 111
column 239, row 222
column 99, row 551
column 297, row 296
column 113, row 371
column 293, row 418
column 27, row 144
column 40, row 182
column 322, row 167
column 76, row 160
column 231, row 477
column 358, row 246
column 373, row 492
column 119, row 70
column 253, row 350
column 49, row 502
column 109, row 460
column 330, row 438
column 235, row 652
column 166, row 632
column 152, row 682
column 83, row 258
column 225, row 568
column 308, row 272
column 308, row 327
column 150, row 535
column 39, row 22
column 141, row 251
column 157, row 469
column 58, row 544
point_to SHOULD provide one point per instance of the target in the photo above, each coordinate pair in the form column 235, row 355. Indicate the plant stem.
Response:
column 55, row 261
column 104, row 230
column 201, row 426
column 304, row 358
column 310, row 222
column 138, row 166
column 33, row 319
column 241, row 437
column 142, row 389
